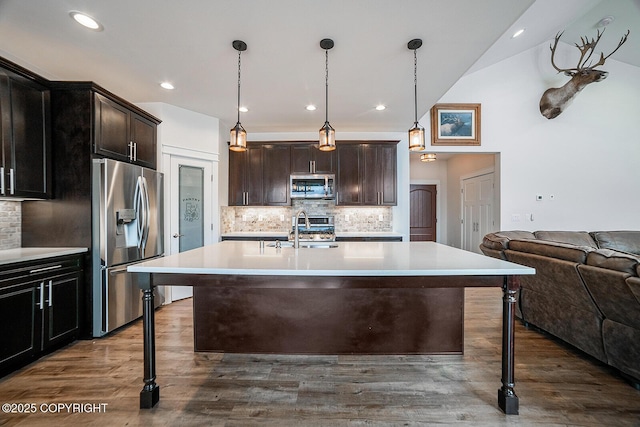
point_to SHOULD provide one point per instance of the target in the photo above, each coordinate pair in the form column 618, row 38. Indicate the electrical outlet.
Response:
column 346, row 217
column 281, row 217
column 260, row 218
column 515, row 217
column 244, row 218
column 380, row 218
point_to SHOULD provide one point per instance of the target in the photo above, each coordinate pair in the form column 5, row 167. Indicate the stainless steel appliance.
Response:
column 127, row 206
column 321, row 228
column 312, row 186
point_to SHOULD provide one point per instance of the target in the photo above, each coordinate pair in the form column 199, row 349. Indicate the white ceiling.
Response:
column 145, row 42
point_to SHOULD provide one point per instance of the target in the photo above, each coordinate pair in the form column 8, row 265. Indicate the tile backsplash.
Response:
column 10, row 224
column 278, row 218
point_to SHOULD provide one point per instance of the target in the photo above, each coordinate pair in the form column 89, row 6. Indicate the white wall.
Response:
column 188, row 134
column 587, row 157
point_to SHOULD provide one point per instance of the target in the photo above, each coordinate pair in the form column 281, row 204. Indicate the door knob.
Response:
column 176, row 235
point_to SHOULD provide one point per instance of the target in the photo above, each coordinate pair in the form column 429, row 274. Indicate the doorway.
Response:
column 190, row 205
column 477, row 210
column 422, row 217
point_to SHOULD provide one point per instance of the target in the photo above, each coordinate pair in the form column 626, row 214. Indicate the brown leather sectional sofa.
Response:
column 586, row 290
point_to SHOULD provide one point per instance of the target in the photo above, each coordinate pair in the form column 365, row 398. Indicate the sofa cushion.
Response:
column 563, row 251
column 613, row 260
column 625, row 241
column 578, row 238
column 500, row 240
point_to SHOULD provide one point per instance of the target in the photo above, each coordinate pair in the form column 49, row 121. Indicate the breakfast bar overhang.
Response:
column 350, row 265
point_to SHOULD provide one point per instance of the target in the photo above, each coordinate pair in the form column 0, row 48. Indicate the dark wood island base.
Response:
column 507, row 399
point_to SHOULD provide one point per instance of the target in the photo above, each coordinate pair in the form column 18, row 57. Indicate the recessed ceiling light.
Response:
column 243, row 109
column 167, row 85
column 518, row 33
column 380, row 107
column 86, row 20
column 605, row 21
column 311, row 107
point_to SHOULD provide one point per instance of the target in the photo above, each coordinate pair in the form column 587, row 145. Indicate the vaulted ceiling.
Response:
column 146, row 42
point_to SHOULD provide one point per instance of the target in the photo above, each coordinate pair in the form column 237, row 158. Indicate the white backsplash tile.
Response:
column 10, row 225
column 235, row 219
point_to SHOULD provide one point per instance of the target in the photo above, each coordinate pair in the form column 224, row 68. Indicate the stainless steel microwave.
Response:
column 313, row 186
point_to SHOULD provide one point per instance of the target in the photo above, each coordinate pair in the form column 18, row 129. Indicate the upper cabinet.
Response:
column 88, row 117
column 379, row 174
column 123, row 134
column 259, row 176
column 25, row 137
column 367, row 173
column 307, row 158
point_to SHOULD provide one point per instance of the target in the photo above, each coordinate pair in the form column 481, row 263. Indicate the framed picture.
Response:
column 455, row 124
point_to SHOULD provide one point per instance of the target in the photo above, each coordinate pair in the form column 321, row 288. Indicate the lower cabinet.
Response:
column 39, row 308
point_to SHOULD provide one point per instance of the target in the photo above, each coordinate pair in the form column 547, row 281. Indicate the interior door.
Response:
column 422, row 219
column 477, row 210
column 191, row 209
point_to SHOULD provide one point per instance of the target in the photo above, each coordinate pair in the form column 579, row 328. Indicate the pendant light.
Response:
column 428, row 157
column 238, row 141
column 416, row 133
column 327, row 133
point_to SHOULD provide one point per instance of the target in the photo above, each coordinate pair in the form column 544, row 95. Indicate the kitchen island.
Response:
column 351, row 266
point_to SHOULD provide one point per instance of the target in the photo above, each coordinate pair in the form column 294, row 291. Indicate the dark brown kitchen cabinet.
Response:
column 307, row 158
column 259, row 176
column 122, row 134
column 348, row 178
column 379, row 174
column 39, row 308
column 367, row 173
column 245, row 177
column 25, row 136
column 275, row 173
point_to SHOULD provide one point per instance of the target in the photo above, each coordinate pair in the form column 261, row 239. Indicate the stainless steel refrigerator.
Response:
column 128, row 227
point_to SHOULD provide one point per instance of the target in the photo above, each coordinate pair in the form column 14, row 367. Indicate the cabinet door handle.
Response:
column 39, row 270
column 2, row 180
column 50, row 293
column 12, row 181
column 130, row 145
column 135, row 151
column 41, row 299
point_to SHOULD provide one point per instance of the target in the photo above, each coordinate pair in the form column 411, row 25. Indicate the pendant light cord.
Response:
column 239, row 54
column 326, row 84
column 415, row 84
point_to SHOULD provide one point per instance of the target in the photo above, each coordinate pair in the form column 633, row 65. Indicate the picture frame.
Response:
column 455, row 124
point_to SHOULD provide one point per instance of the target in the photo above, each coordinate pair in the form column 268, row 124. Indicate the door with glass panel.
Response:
column 190, row 201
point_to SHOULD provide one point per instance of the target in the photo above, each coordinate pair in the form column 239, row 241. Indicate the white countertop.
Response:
column 10, row 256
column 348, row 259
column 341, row 234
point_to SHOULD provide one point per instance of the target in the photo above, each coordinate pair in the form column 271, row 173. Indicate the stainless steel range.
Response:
column 321, row 228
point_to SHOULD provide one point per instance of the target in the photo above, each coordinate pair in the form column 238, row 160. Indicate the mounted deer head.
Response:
column 555, row 100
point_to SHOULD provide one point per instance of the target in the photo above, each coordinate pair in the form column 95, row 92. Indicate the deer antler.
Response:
column 586, row 48
column 604, row 58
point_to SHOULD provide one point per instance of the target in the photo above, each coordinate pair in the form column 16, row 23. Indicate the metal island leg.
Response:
column 507, row 399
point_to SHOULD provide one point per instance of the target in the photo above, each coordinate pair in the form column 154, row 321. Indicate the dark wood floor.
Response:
column 556, row 385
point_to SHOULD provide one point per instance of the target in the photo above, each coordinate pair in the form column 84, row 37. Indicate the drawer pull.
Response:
column 39, row 270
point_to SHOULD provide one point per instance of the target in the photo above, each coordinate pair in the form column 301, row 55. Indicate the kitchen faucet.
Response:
column 296, row 235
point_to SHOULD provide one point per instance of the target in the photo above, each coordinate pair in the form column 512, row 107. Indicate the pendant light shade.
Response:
column 428, row 157
column 416, row 133
column 238, row 136
column 327, row 140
